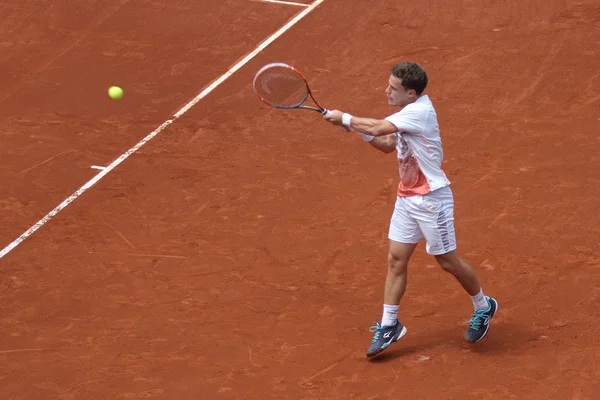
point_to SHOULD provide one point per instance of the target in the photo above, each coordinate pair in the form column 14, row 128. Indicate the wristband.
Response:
column 366, row 138
column 346, row 118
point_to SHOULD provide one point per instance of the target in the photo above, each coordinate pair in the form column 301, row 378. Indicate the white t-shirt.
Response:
column 419, row 148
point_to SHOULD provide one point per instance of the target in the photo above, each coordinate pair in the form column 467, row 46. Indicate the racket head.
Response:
column 280, row 85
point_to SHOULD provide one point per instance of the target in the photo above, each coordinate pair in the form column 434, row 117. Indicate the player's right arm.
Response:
column 385, row 144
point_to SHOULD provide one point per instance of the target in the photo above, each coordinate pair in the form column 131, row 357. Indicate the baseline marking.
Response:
column 158, row 130
column 289, row 3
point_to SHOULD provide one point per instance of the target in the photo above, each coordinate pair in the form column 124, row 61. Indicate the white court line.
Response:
column 290, row 3
column 152, row 134
column 97, row 167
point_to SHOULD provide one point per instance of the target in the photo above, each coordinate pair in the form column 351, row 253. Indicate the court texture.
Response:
column 190, row 242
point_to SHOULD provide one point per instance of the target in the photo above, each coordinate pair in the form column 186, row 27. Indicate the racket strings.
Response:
column 281, row 86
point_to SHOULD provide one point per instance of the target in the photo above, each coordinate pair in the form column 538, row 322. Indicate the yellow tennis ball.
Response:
column 115, row 92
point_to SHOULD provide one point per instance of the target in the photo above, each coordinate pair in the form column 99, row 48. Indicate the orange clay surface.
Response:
column 241, row 254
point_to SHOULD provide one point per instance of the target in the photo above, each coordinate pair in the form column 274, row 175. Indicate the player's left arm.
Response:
column 369, row 126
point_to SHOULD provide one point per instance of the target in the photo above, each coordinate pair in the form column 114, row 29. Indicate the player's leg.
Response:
column 485, row 307
column 404, row 235
column 436, row 220
column 395, row 282
column 463, row 272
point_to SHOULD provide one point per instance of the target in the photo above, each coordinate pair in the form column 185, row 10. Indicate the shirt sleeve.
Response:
column 411, row 119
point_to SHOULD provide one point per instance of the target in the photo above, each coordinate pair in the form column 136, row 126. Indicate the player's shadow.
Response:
column 502, row 337
column 508, row 337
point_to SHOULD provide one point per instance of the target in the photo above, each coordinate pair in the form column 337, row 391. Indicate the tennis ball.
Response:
column 115, row 92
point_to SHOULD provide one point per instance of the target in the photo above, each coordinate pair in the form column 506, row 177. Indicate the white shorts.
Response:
column 430, row 216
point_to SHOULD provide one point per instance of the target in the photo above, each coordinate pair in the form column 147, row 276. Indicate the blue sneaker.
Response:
column 384, row 336
column 480, row 322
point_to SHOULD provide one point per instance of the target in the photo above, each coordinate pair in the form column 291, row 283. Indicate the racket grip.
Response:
column 344, row 128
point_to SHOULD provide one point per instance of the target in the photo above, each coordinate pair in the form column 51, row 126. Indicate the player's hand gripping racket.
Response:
column 282, row 86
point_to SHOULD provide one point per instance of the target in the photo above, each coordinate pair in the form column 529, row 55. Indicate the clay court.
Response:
column 241, row 253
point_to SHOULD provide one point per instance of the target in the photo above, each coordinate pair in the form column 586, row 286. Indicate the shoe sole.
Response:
column 379, row 350
column 488, row 325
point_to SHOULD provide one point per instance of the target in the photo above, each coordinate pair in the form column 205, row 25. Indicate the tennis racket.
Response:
column 282, row 86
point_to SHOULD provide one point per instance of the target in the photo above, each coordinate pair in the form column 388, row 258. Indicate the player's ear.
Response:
column 412, row 94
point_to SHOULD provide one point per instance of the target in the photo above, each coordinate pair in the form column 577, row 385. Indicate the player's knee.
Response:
column 397, row 264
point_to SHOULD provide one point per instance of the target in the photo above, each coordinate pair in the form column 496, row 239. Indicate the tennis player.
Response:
column 424, row 206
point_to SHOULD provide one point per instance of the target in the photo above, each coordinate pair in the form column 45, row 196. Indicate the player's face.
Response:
column 396, row 93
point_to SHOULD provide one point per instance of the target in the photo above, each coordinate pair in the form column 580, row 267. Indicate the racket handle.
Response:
column 342, row 127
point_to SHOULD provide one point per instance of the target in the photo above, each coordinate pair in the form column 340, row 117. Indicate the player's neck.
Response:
column 410, row 102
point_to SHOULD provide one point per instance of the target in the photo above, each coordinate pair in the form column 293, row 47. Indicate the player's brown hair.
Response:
column 413, row 76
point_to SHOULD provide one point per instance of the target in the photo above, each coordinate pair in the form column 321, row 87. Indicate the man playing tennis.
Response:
column 424, row 207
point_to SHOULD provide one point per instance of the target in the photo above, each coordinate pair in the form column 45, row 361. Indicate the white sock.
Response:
column 390, row 314
column 479, row 301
